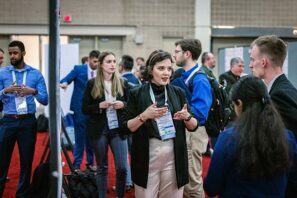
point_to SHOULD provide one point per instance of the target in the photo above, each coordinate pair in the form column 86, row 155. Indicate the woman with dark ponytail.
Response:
column 252, row 158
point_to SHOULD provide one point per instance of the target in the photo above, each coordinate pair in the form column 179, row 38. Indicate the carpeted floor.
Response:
column 13, row 173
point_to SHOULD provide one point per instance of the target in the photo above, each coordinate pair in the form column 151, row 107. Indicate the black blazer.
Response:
column 227, row 79
column 139, row 100
column 97, row 120
column 284, row 96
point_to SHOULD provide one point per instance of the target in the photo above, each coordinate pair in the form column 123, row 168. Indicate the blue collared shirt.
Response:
column 201, row 96
column 34, row 80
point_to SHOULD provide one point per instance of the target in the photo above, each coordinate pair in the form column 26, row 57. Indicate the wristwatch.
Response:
column 189, row 118
column 35, row 92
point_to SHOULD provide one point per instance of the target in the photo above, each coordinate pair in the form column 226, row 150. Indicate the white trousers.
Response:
column 161, row 177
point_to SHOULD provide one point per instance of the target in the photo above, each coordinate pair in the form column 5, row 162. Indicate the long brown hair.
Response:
column 117, row 82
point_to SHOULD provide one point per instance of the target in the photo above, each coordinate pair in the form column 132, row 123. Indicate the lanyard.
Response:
column 193, row 72
column 164, row 123
column 153, row 96
column 24, row 77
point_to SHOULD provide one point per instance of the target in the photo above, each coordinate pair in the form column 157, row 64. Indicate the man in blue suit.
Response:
column 125, row 68
column 80, row 75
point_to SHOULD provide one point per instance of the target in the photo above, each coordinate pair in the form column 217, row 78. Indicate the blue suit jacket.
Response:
column 131, row 78
column 79, row 74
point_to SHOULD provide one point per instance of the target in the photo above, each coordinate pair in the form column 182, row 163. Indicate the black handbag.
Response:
column 82, row 184
column 42, row 123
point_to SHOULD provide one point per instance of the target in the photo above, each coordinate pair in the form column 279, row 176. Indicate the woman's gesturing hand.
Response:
column 153, row 112
column 182, row 114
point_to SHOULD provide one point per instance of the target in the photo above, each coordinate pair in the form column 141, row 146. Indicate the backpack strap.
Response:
column 190, row 80
column 191, row 76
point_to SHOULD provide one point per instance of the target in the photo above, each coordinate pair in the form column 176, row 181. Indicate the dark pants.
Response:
column 291, row 190
column 81, row 141
column 22, row 131
column 119, row 149
column 128, row 178
column 213, row 141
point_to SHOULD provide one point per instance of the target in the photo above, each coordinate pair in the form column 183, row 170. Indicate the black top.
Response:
column 139, row 100
column 227, row 79
column 97, row 120
column 159, row 94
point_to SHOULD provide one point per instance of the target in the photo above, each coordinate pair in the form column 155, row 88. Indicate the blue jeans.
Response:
column 129, row 179
column 120, row 151
column 81, row 141
column 22, row 131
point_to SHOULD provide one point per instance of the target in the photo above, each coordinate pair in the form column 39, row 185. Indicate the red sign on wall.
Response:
column 67, row 18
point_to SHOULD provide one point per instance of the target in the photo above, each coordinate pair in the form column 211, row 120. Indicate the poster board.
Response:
column 69, row 58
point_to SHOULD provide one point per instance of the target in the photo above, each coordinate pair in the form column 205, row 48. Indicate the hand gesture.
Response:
column 25, row 90
column 64, row 86
column 13, row 88
column 153, row 112
column 104, row 104
column 117, row 104
column 182, row 114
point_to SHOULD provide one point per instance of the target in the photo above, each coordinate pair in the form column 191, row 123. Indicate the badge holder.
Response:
column 165, row 123
column 112, row 118
column 20, row 101
column 165, row 126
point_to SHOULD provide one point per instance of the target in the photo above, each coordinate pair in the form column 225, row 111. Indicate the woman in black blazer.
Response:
column 157, row 115
column 103, row 102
